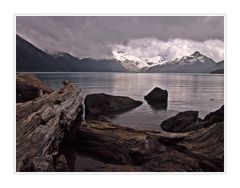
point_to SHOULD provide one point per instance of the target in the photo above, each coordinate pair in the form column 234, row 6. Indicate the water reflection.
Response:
column 157, row 106
column 185, row 92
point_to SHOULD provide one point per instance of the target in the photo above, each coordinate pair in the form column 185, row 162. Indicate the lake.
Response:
column 201, row 92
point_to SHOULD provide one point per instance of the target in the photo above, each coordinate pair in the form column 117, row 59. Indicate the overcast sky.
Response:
column 97, row 37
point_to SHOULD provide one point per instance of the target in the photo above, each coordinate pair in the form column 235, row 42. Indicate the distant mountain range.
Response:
column 137, row 64
column 195, row 63
column 32, row 59
column 218, row 68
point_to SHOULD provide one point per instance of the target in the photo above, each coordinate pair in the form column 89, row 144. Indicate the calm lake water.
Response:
column 201, row 92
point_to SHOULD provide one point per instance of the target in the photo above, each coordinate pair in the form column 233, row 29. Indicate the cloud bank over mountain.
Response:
column 94, row 36
column 171, row 49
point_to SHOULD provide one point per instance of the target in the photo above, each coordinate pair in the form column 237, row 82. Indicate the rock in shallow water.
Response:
column 181, row 122
column 157, row 98
column 216, row 116
column 104, row 104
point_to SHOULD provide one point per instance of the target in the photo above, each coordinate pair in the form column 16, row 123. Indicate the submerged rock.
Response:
column 182, row 122
column 104, row 104
column 157, row 106
column 29, row 87
column 157, row 98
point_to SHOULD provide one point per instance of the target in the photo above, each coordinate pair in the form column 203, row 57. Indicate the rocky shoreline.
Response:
column 49, row 119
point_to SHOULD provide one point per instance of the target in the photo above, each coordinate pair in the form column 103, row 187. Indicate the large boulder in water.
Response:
column 104, row 104
column 182, row 122
column 188, row 121
column 29, row 87
column 157, row 98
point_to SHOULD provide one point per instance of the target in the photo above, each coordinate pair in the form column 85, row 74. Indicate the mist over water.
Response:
column 201, row 92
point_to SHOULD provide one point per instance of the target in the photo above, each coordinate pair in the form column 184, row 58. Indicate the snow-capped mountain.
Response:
column 195, row 63
column 32, row 59
column 134, row 63
column 196, row 57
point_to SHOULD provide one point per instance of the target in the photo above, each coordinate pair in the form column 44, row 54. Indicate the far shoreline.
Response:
column 120, row 72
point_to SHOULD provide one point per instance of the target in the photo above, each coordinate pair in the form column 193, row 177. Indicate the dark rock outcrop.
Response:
column 182, row 122
column 29, row 87
column 189, row 121
column 157, row 94
column 157, row 98
column 195, row 126
column 103, row 104
column 216, row 116
column 145, row 150
column 41, row 125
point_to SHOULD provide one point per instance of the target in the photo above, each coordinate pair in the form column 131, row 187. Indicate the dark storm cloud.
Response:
column 96, row 36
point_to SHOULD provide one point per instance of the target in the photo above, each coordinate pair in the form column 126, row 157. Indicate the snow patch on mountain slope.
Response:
column 134, row 63
column 138, row 62
column 196, row 57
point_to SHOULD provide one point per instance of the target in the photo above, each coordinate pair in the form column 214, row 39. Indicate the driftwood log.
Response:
column 40, row 127
column 147, row 150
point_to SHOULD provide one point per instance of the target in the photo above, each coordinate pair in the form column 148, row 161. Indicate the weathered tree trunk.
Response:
column 201, row 150
column 40, row 127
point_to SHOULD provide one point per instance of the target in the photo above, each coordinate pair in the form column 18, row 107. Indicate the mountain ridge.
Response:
column 195, row 63
column 30, row 58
